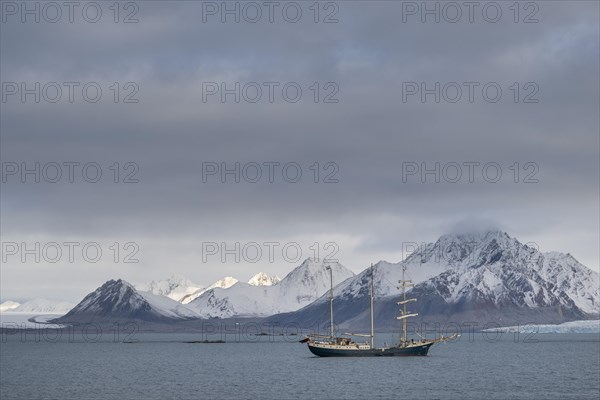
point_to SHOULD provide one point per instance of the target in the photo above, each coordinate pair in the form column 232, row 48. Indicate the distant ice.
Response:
column 567, row 327
column 23, row 320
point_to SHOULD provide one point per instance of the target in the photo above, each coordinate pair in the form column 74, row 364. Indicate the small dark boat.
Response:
column 331, row 346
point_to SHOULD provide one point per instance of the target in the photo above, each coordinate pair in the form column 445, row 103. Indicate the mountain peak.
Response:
column 176, row 287
column 310, row 261
column 315, row 269
column 472, row 248
column 224, row 283
column 119, row 286
column 262, row 279
column 476, row 236
column 117, row 283
column 318, row 263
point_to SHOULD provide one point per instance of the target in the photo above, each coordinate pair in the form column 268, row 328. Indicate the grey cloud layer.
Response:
column 368, row 134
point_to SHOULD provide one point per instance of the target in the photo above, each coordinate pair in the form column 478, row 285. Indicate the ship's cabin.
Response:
column 342, row 341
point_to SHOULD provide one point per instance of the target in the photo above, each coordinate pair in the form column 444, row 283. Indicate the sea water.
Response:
column 161, row 366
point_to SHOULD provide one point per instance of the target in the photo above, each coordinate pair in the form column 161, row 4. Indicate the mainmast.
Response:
column 330, row 301
column 372, row 310
column 404, row 315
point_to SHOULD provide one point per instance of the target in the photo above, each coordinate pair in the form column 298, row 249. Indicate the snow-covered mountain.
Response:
column 119, row 299
column 503, row 273
column 224, row 283
column 478, row 276
column 43, row 306
column 262, row 279
column 299, row 288
column 486, row 276
column 9, row 305
column 176, row 287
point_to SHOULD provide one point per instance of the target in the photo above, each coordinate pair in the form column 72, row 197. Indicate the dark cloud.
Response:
column 369, row 135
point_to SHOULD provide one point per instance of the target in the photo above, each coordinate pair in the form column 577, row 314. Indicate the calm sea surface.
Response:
column 160, row 366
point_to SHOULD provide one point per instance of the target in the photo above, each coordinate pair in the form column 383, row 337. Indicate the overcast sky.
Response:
column 370, row 142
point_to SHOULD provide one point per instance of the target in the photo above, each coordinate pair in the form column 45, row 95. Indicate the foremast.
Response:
column 372, row 296
column 404, row 314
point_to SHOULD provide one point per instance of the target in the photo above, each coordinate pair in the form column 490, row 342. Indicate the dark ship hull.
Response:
column 350, row 351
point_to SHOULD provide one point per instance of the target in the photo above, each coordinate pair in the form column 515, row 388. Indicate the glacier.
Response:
column 584, row 326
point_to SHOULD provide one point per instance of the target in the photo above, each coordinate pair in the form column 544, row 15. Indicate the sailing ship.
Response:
column 332, row 346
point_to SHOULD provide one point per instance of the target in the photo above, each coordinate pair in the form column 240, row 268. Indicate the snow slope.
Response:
column 44, row 306
column 224, row 283
column 567, row 275
column 176, row 287
column 300, row 287
column 167, row 307
column 9, row 305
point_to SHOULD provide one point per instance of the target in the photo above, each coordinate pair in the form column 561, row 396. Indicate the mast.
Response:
column 404, row 283
column 330, row 301
column 404, row 333
column 372, row 310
